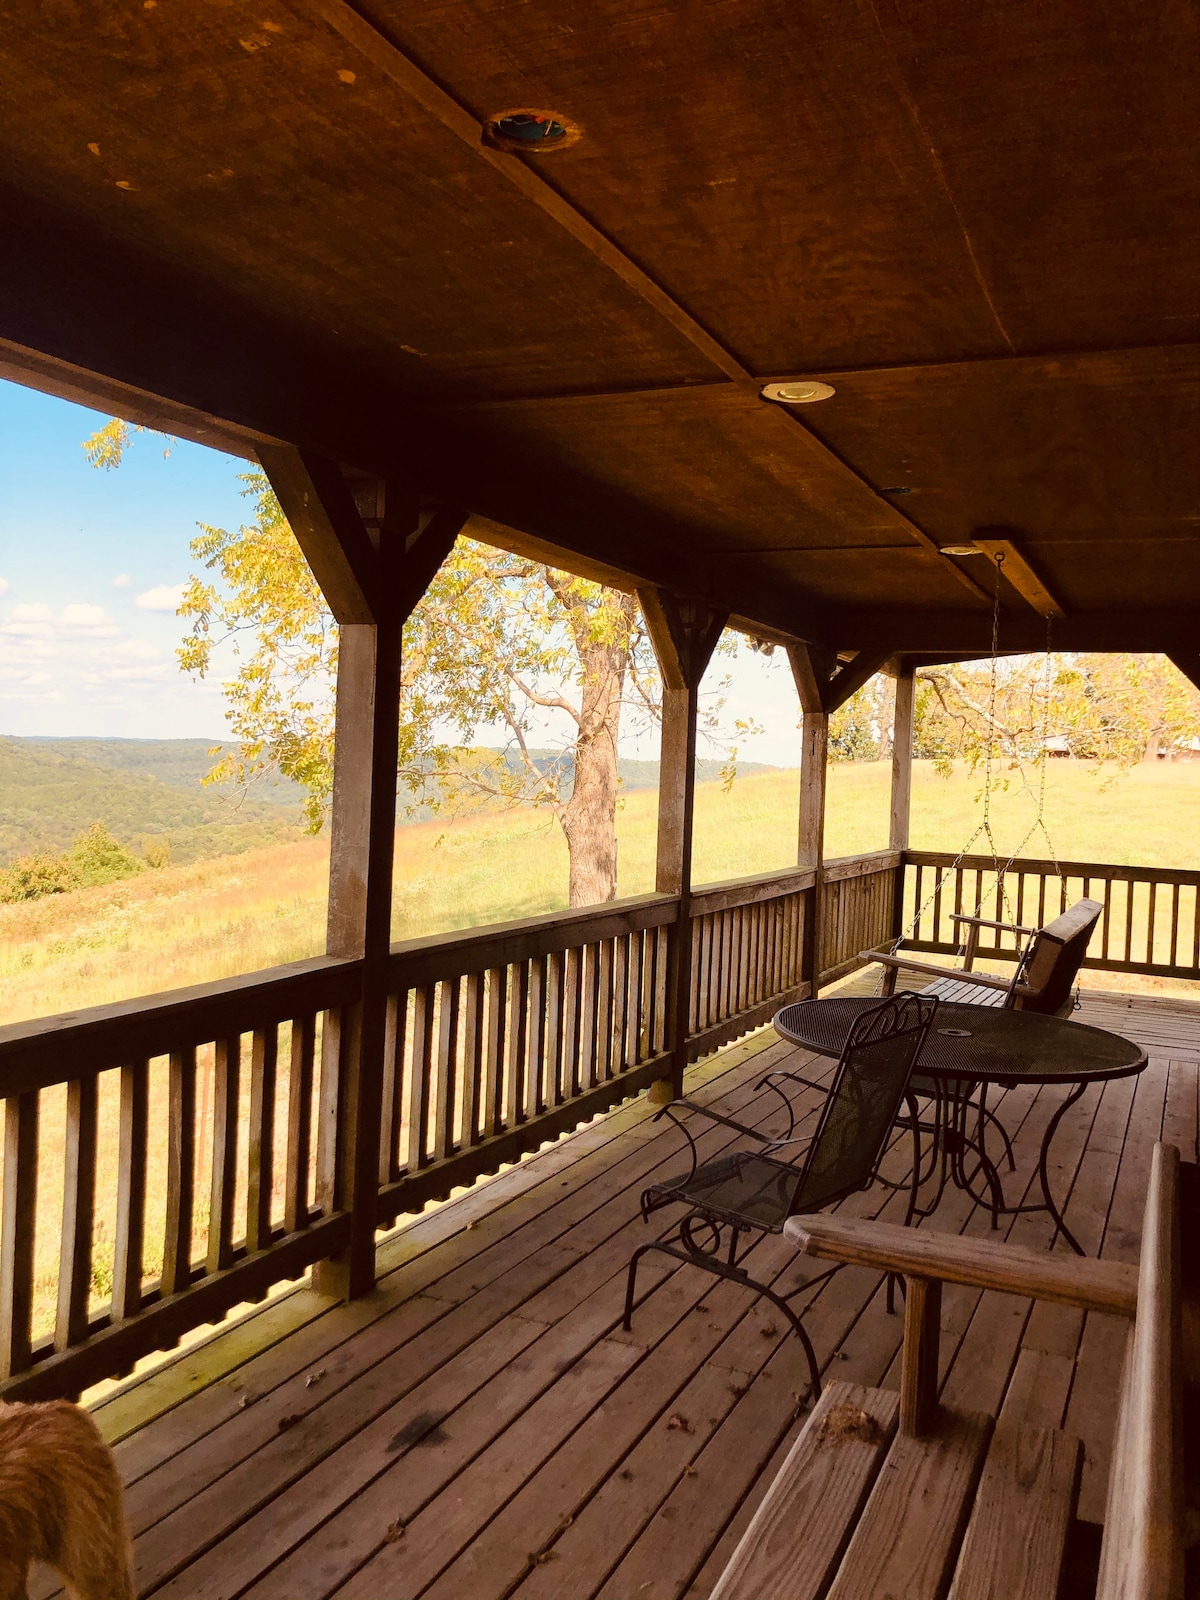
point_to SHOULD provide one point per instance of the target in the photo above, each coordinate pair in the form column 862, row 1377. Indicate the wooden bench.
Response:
column 888, row 1495
column 1043, row 980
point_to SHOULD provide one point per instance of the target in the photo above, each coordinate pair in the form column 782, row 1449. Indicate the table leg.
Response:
column 1043, row 1174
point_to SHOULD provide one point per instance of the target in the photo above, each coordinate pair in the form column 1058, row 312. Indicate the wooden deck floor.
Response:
column 481, row 1427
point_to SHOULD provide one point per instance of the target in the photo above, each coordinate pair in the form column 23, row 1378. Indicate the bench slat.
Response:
column 792, row 1546
column 1142, row 1554
column 908, row 1535
column 1024, row 1507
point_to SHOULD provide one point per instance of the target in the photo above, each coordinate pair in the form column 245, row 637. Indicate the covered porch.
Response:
column 796, row 314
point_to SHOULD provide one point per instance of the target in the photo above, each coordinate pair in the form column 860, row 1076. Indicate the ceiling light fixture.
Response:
column 802, row 392
column 960, row 550
column 529, row 131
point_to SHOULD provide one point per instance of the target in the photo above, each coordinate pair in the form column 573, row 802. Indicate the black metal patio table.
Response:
column 969, row 1049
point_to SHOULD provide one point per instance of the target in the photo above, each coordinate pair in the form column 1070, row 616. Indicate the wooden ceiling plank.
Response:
column 1014, row 567
column 376, row 47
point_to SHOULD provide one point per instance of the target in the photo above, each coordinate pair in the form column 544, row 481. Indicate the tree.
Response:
column 1109, row 708
column 498, row 641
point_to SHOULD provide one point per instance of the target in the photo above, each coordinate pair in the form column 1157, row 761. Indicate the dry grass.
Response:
column 241, row 913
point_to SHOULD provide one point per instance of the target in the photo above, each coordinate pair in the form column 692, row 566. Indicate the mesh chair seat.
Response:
column 743, row 1187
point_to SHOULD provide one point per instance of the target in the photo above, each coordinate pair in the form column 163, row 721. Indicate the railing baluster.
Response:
column 1174, row 953
column 558, row 1065
column 588, row 968
column 1106, row 919
column 395, row 1018
column 1151, row 910
column 604, row 1011
column 1129, row 888
column 446, row 1070
column 493, row 1054
column 226, row 1086
column 17, row 1231
column 535, row 1098
column 473, row 1054
column 620, row 982
column 424, row 999
column 129, row 1249
column 260, row 1176
column 299, row 1144
column 79, row 1207
column 181, row 1171
column 514, row 1077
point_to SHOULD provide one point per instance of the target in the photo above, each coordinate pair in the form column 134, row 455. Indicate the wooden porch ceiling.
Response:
column 977, row 224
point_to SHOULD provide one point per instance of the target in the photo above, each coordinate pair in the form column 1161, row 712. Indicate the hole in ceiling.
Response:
column 529, row 130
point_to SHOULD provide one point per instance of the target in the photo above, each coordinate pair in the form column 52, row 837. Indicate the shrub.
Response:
column 37, row 875
column 99, row 858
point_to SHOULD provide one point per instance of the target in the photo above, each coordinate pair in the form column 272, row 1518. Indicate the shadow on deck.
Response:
column 481, row 1427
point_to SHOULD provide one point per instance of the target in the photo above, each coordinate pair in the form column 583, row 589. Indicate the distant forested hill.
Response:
column 183, row 763
column 51, row 790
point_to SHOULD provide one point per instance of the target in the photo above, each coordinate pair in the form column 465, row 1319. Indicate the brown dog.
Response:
column 60, row 1502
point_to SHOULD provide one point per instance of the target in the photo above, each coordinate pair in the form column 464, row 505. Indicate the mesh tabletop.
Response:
column 979, row 1042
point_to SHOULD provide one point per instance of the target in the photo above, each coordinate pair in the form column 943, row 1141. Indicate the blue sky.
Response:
column 90, row 567
column 90, row 563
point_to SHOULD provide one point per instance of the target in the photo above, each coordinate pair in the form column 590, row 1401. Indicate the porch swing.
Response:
column 1047, row 958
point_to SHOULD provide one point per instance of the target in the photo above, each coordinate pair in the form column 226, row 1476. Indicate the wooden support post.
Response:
column 373, row 557
column 901, row 812
column 919, row 1367
column 684, row 638
column 902, row 756
column 810, row 670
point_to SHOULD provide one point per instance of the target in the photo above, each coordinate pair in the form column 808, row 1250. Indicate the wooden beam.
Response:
column 684, row 637
column 1188, row 662
column 810, row 673
column 851, row 676
column 944, row 633
column 320, row 508
column 902, row 756
column 1001, row 551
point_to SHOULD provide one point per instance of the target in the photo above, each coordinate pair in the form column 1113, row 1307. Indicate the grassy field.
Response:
column 191, row 924
column 239, row 913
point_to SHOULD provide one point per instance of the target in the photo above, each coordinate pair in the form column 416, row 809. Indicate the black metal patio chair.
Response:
column 749, row 1192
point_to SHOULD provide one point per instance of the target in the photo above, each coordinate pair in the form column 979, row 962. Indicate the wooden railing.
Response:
column 189, row 1135
column 1150, row 923
column 501, row 1038
column 857, row 909
column 187, row 1146
column 747, row 955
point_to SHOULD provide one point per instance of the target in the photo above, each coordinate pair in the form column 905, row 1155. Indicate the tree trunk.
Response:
column 1153, row 745
column 589, row 818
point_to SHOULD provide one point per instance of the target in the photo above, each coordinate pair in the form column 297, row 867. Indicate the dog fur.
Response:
column 60, row 1502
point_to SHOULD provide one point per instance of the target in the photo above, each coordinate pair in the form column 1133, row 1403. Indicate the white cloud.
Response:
column 32, row 611
column 163, row 597
column 4, row 585
column 91, row 622
column 122, row 580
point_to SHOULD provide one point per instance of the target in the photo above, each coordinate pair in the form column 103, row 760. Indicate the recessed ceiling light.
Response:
column 529, row 131
column 800, row 393
column 960, row 550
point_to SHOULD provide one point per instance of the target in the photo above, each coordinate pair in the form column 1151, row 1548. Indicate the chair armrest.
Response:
column 714, row 1116
column 986, row 922
column 888, row 959
column 981, row 1263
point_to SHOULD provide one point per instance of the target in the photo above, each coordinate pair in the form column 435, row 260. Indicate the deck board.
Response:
column 481, row 1427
